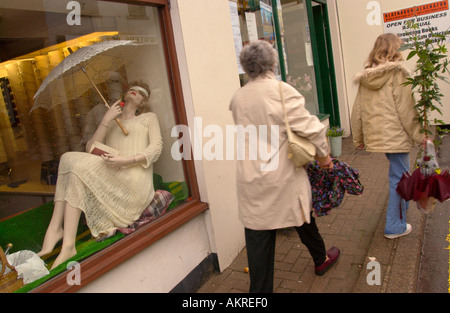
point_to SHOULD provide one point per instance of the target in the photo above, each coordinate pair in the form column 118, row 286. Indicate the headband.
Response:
column 137, row 88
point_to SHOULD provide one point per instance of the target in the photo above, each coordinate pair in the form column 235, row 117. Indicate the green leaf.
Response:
column 444, row 79
column 411, row 54
column 431, row 62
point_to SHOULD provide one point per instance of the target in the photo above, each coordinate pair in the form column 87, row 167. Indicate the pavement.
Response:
column 357, row 228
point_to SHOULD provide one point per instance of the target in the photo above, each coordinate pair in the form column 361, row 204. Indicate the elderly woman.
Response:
column 112, row 190
column 281, row 197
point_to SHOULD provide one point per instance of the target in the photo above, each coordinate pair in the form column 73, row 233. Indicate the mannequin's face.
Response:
column 134, row 96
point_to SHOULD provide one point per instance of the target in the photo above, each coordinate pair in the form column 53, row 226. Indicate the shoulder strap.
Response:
column 288, row 129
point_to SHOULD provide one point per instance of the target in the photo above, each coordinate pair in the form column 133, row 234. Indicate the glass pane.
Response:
column 34, row 40
column 256, row 23
column 298, row 52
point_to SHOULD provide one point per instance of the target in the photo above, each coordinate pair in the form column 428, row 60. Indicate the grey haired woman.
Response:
column 281, row 197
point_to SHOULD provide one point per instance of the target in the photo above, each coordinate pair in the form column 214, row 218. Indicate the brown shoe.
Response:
column 333, row 254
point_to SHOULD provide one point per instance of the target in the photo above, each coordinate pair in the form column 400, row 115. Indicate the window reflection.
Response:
column 299, row 56
column 257, row 22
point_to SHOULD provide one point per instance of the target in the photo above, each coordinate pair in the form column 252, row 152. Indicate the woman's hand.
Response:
column 325, row 162
column 116, row 162
column 113, row 112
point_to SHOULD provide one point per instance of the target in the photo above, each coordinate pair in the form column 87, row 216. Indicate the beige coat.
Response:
column 281, row 196
column 383, row 115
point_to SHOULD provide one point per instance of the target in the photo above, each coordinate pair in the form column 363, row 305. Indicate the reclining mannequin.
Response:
column 112, row 190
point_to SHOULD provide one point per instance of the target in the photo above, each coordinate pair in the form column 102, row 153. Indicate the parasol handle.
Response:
column 124, row 130
column 118, row 121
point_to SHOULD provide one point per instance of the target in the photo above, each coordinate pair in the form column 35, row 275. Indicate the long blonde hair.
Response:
column 384, row 50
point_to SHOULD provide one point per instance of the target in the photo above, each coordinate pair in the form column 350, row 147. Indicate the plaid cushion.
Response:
column 155, row 209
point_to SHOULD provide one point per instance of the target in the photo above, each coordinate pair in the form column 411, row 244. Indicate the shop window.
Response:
column 252, row 20
column 34, row 41
column 284, row 23
column 299, row 63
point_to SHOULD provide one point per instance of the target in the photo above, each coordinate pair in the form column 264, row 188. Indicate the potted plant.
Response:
column 334, row 134
column 431, row 66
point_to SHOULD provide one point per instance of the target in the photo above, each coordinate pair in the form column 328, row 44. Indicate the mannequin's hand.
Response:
column 113, row 112
column 115, row 162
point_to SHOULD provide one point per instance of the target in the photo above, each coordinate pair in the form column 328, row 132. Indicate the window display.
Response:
column 40, row 123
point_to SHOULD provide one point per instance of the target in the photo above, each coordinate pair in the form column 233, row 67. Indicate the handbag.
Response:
column 301, row 150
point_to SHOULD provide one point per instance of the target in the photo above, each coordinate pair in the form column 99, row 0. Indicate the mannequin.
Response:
column 87, row 183
column 114, row 88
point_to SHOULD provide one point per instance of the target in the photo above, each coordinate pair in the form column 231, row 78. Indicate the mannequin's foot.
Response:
column 50, row 241
column 63, row 256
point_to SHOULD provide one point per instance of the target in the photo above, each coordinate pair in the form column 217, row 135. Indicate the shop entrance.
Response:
column 299, row 30
column 323, row 59
column 303, row 32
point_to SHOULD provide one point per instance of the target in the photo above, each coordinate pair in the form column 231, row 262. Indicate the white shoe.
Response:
column 393, row 236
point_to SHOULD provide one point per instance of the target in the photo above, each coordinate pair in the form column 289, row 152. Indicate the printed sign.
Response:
column 433, row 16
column 236, row 33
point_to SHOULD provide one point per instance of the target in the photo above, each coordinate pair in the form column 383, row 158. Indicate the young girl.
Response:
column 384, row 120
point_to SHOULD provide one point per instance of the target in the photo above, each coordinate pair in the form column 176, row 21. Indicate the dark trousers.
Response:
column 261, row 253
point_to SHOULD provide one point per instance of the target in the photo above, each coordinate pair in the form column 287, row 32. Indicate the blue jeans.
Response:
column 396, row 210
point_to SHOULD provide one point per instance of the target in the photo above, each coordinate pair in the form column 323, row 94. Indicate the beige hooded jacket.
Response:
column 383, row 116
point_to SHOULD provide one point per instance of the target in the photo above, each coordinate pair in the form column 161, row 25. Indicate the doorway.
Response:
column 323, row 59
column 303, row 32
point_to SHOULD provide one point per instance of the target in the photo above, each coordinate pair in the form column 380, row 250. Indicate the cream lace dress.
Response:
column 112, row 198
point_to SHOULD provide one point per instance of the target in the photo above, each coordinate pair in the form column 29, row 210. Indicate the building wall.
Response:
column 207, row 62
column 160, row 267
column 210, row 77
column 338, row 59
column 357, row 37
column 208, row 68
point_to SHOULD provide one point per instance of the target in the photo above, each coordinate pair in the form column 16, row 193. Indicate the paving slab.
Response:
column 357, row 228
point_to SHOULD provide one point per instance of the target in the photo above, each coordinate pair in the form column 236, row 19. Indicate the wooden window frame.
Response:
column 101, row 262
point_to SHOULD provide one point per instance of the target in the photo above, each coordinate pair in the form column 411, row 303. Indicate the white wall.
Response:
column 159, row 268
column 205, row 49
column 338, row 59
column 208, row 68
column 357, row 37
